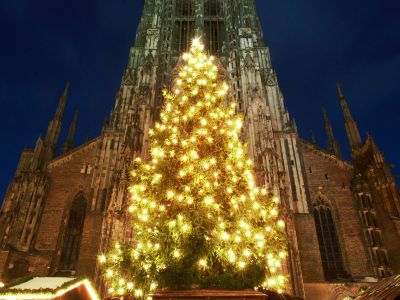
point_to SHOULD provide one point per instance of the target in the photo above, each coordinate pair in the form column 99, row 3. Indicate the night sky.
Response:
column 314, row 44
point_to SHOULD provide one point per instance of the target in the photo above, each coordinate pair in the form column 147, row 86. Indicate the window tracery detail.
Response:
column 331, row 255
column 73, row 234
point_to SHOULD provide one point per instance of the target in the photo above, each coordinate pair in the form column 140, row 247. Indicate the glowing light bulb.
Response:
column 281, row 224
column 271, row 282
column 225, row 236
column 231, row 256
column 202, row 263
column 102, row 259
column 209, row 200
column 110, row 273
column 274, row 212
column 176, row 253
column 170, row 194
column 185, row 228
column 153, row 286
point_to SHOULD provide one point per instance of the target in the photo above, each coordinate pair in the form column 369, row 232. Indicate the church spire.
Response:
column 69, row 143
column 313, row 137
column 352, row 131
column 53, row 131
column 62, row 102
column 332, row 144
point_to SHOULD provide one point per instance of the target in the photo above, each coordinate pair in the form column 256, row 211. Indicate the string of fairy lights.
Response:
column 17, row 294
column 199, row 188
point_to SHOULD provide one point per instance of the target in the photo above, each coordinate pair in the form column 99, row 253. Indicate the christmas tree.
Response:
column 199, row 219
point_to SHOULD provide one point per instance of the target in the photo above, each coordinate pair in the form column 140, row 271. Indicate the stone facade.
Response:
column 343, row 217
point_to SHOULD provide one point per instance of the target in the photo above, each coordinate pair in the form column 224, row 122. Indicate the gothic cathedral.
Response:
column 343, row 217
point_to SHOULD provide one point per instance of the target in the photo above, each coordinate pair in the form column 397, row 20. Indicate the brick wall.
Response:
column 90, row 244
column 330, row 178
column 310, row 256
column 68, row 176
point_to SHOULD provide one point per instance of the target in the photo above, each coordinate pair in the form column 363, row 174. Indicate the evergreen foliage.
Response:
column 199, row 218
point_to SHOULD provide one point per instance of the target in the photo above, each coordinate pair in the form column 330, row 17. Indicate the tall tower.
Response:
column 232, row 32
column 24, row 199
column 61, row 211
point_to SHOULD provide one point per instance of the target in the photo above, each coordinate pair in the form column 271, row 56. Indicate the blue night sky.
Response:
column 313, row 43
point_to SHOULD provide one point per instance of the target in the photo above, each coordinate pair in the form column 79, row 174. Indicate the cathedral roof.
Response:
column 326, row 154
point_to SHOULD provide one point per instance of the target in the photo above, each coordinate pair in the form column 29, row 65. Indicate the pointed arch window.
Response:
column 73, row 234
column 184, row 24
column 185, row 8
column 214, row 25
column 212, row 8
column 331, row 256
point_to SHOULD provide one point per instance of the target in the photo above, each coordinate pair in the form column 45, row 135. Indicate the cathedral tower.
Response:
column 232, row 32
column 20, row 216
column 61, row 211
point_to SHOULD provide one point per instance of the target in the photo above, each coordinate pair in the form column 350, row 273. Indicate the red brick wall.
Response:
column 90, row 244
column 310, row 256
column 66, row 180
column 330, row 178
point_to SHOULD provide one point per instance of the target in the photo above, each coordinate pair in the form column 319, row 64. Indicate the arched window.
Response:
column 73, row 234
column 185, row 8
column 184, row 29
column 331, row 256
column 214, row 25
column 212, row 8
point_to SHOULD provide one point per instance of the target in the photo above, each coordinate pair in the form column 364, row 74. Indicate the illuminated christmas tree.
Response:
column 199, row 219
